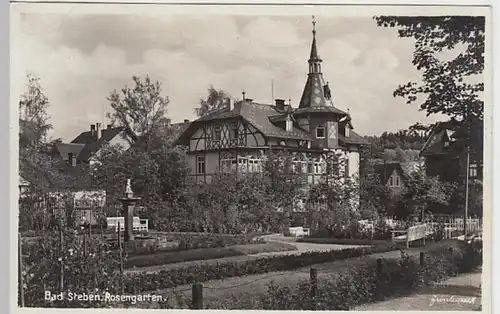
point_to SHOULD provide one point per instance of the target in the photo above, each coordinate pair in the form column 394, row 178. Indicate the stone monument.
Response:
column 129, row 202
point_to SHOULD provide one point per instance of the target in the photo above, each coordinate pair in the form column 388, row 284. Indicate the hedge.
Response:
column 342, row 241
column 141, row 282
column 361, row 284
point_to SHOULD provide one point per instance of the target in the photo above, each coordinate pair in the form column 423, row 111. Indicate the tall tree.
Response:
column 141, row 108
column 217, row 99
column 451, row 87
column 33, row 104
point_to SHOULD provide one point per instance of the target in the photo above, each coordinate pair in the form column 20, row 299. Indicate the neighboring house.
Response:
column 391, row 175
column 238, row 137
column 24, row 186
column 86, row 146
column 445, row 151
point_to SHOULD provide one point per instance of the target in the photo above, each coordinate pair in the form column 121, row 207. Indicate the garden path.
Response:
column 461, row 293
column 247, row 286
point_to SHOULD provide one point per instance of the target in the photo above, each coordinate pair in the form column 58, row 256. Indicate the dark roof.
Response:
column 258, row 115
column 354, row 138
column 92, row 145
column 455, row 133
column 65, row 149
column 262, row 116
column 384, row 170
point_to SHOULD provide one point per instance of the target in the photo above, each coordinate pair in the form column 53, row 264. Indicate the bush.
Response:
column 363, row 284
column 88, row 269
column 190, row 241
column 137, row 283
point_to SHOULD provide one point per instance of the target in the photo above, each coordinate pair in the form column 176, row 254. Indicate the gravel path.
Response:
column 461, row 293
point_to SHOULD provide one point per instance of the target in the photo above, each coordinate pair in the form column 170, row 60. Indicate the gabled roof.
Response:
column 258, row 115
column 92, row 145
column 65, row 149
column 22, row 181
column 385, row 170
column 455, row 133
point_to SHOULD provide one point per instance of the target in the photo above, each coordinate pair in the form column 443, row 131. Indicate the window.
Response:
column 320, row 132
column 289, row 125
column 234, row 130
column 391, row 181
column 346, row 162
column 398, row 183
column 242, row 164
column 254, row 164
column 310, row 168
column 299, row 166
column 473, row 170
column 200, row 164
column 217, row 133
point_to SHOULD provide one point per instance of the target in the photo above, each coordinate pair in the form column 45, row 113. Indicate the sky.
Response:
column 81, row 59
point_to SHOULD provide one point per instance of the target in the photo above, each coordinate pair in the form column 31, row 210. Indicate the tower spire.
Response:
column 314, row 60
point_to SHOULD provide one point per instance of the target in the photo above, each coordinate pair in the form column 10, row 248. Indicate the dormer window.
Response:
column 320, row 131
column 289, row 125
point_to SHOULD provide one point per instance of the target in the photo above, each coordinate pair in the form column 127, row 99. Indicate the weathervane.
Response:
column 314, row 24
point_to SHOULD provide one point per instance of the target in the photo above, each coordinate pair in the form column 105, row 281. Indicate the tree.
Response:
column 141, row 109
column 450, row 86
column 423, row 194
column 336, row 196
column 216, row 100
column 33, row 126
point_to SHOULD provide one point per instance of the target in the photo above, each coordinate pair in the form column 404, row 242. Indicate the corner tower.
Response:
column 316, row 113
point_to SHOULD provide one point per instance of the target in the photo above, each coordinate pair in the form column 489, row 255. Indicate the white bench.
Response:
column 137, row 223
column 299, row 231
column 411, row 234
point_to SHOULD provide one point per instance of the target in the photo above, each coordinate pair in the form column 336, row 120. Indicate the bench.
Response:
column 137, row 224
column 299, row 231
column 411, row 234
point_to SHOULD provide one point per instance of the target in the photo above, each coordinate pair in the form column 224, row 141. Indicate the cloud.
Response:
column 81, row 59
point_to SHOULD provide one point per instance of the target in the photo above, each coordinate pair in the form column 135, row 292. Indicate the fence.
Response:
column 456, row 226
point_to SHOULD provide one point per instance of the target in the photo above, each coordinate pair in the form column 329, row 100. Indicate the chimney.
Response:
column 92, row 129
column 108, row 126
column 99, row 131
column 186, row 120
column 230, row 104
column 280, row 104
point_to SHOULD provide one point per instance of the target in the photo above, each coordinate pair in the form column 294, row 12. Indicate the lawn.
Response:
column 163, row 258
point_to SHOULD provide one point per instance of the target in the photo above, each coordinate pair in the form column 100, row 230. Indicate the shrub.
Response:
column 190, row 241
column 136, row 283
column 90, row 273
column 363, row 284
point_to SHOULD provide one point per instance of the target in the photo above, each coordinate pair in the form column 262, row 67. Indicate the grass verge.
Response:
column 162, row 258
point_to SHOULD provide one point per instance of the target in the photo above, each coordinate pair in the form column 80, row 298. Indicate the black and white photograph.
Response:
column 271, row 157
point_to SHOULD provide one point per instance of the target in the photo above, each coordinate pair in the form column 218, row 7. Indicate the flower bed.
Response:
column 163, row 258
column 141, row 282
